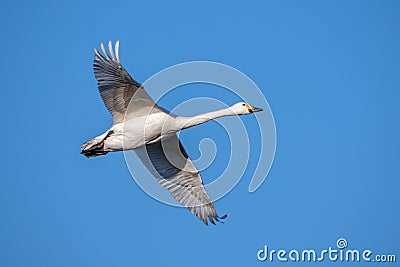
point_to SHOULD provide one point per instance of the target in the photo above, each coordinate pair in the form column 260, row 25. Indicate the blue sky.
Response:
column 329, row 69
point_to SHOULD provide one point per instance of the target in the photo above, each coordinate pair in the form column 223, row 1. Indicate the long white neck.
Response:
column 187, row 122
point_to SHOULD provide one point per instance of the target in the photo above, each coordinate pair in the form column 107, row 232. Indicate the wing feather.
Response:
column 117, row 88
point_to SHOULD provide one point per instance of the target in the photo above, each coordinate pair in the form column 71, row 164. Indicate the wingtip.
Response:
column 111, row 54
column 117, row 50
column 104, row 51
column 212, row 219
column 110, row 49
column 215, row 219
column 224, row 216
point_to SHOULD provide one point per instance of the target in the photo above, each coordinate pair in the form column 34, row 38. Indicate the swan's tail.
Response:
column 93, row 148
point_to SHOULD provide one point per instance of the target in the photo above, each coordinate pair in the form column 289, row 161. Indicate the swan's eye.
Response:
column 243, row 105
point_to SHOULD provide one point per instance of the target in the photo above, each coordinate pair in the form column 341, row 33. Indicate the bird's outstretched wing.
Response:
column 169, row 163
column 117, row 88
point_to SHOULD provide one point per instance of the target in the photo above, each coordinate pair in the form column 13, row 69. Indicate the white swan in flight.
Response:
column 141, row 125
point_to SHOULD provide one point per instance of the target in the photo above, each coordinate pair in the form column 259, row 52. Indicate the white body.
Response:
column 137, row 132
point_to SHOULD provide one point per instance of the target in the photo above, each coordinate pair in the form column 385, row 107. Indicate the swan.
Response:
column 151, row 131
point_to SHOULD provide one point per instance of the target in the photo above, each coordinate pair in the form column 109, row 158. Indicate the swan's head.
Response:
column 242, row 108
